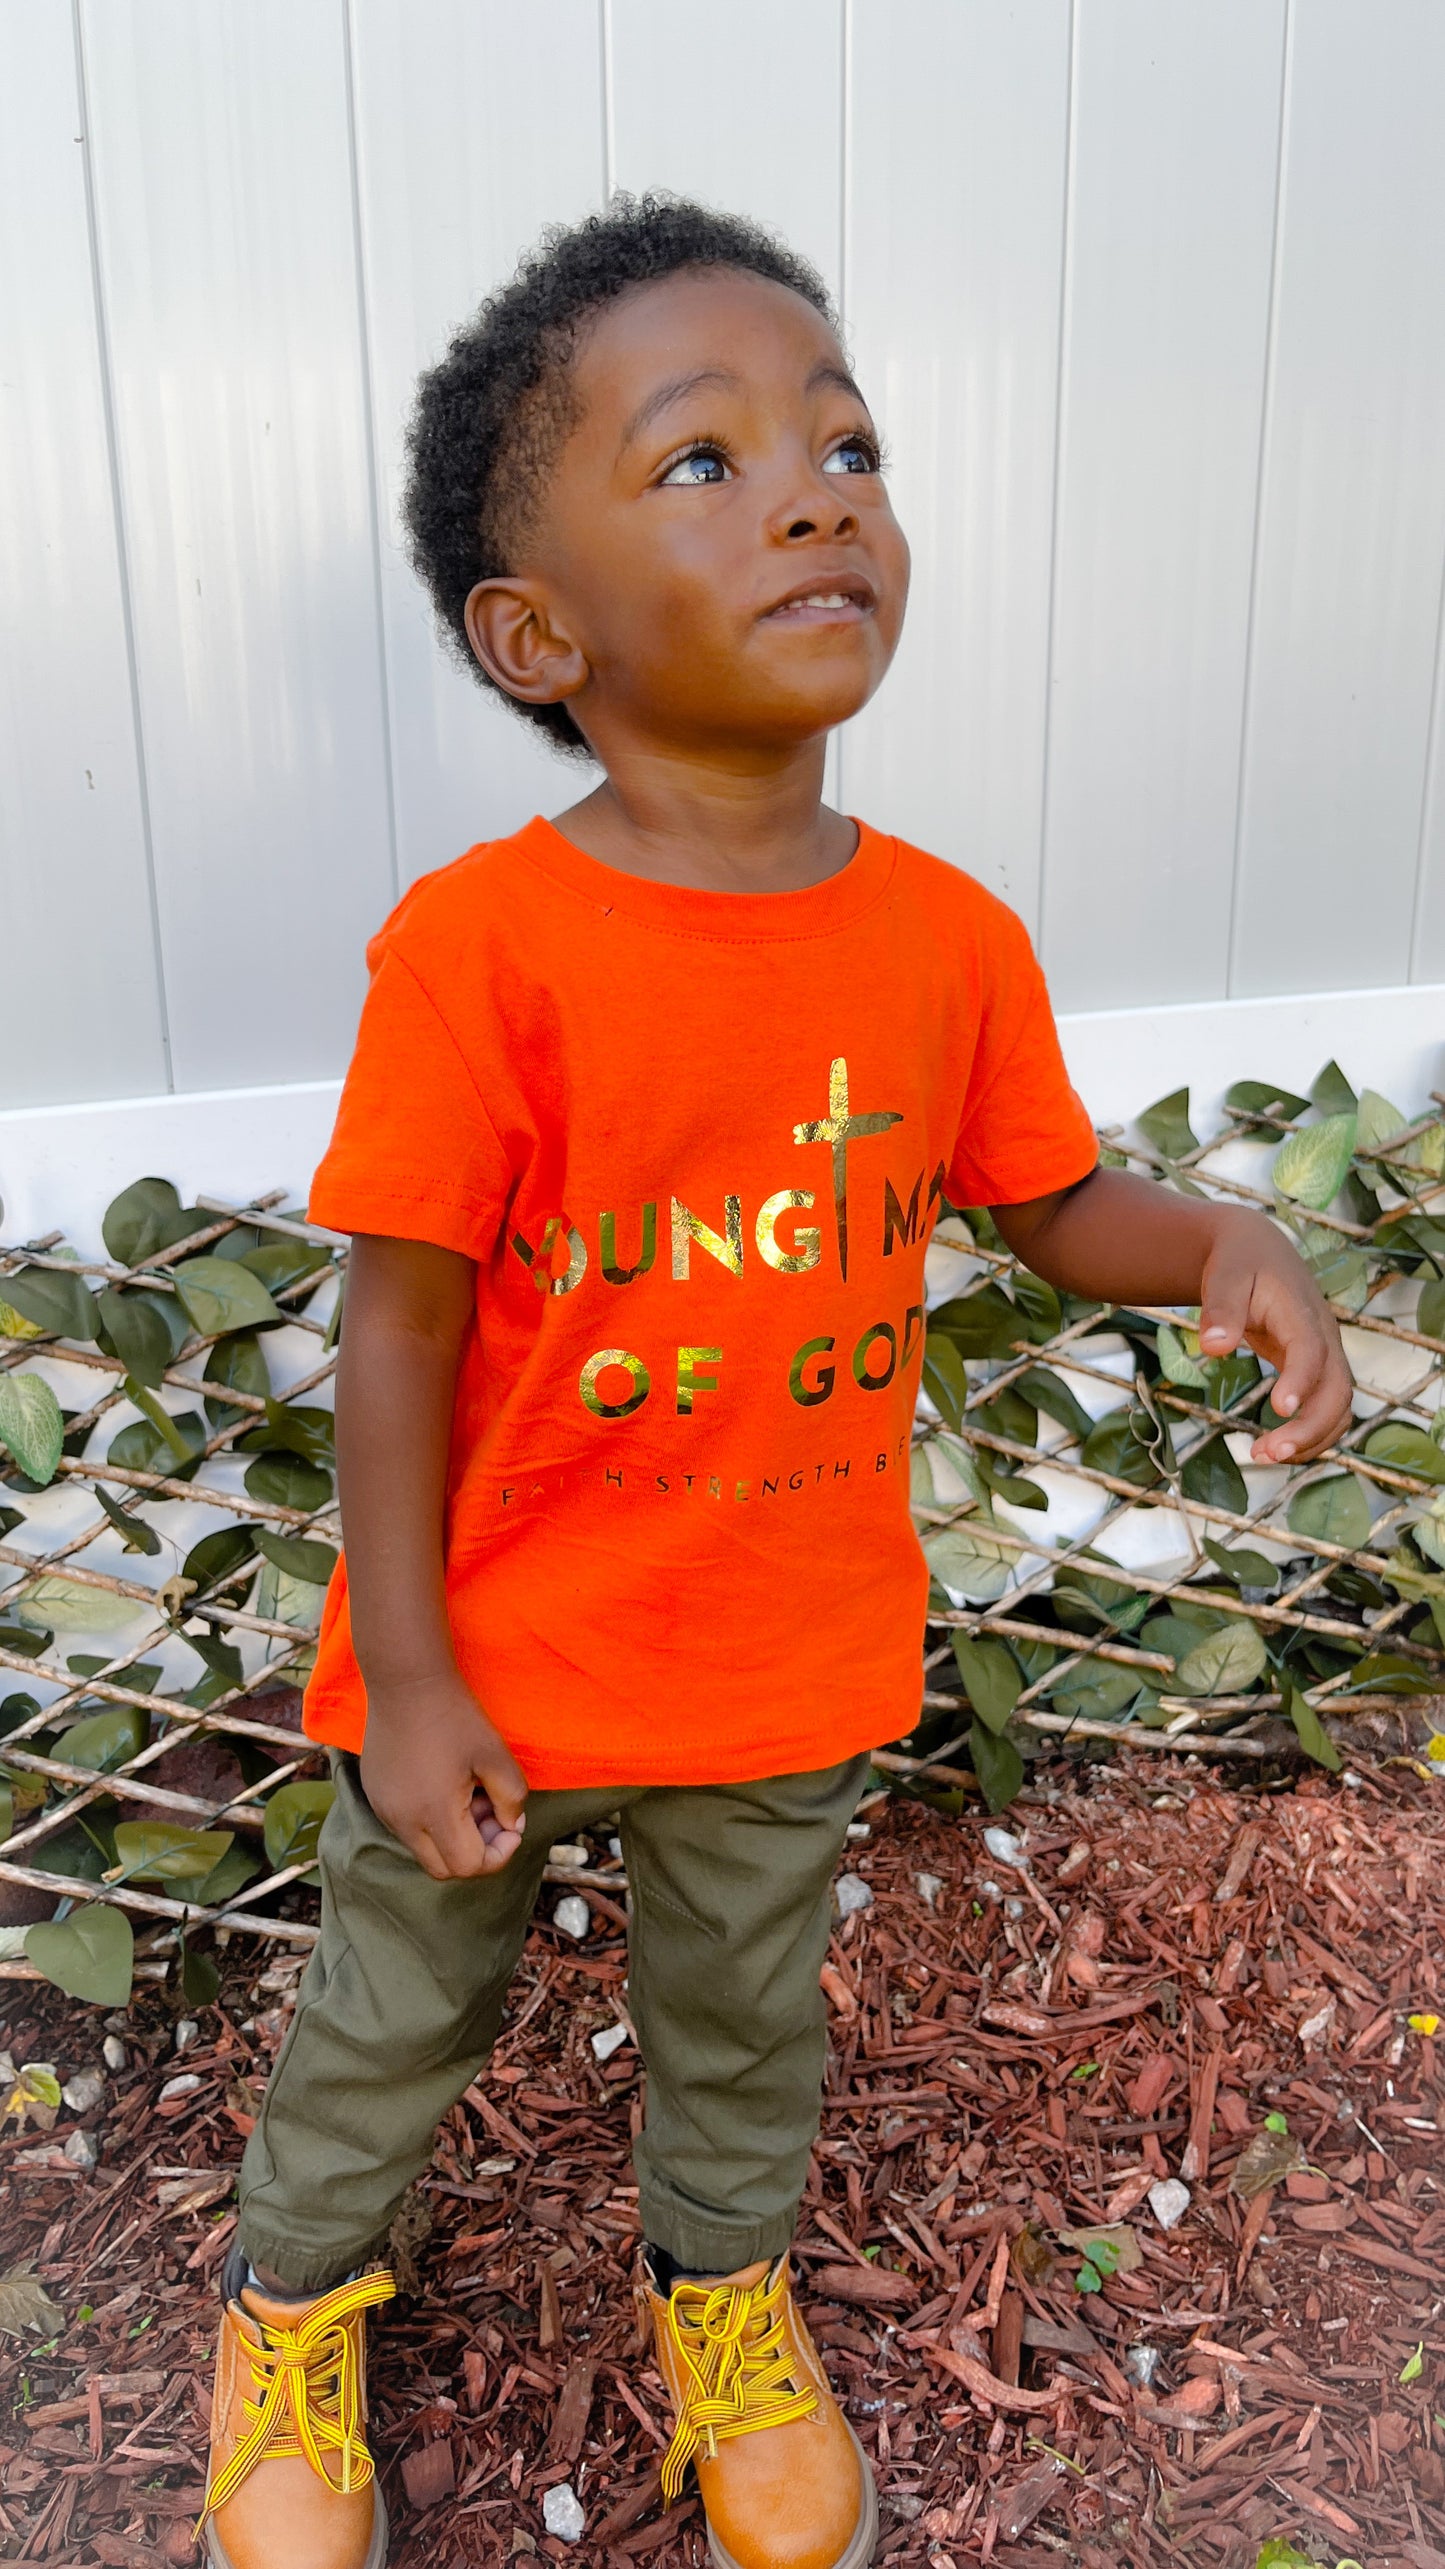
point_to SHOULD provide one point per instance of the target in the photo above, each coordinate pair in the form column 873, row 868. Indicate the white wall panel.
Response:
column 1176, row 122
column 741, row 107
column 1352, row 527
column 458, row 175
column 227, row 249
column 958, row 129
column 82, row 1009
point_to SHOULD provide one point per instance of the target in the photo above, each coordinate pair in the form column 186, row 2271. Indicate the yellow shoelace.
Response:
column 310, row 2394
column 737, row 2368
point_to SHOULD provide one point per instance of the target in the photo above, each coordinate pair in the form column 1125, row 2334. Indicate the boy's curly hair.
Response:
column 491, row 417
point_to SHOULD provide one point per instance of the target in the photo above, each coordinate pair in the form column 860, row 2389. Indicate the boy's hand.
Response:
column 442, row 1779
column 1257, row 1289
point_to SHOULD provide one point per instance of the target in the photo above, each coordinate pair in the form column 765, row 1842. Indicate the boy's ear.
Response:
column 510, row 628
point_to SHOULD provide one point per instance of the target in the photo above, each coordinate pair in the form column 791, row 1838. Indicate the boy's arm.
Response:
column 1115, row 1238
column 434, row 1769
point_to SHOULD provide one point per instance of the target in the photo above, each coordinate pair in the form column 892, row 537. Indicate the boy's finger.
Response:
column 504, row 1787
column 498, row 1851
column 1322, row 1416
column 1224, row 1312
column 1305, row 1367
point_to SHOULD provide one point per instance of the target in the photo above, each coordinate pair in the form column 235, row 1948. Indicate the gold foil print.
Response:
column 809, row 1248
column 632, row 1366
column 686, row 1228
column 607, row 1247
column 689, row 1380
column 838, row 1128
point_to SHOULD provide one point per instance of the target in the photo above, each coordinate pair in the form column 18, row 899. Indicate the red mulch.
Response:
column 1005, row 2067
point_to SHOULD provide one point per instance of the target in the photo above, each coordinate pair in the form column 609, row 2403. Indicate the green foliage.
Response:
column 1166, row 1124
column 293, row 1823
column 1313, row 1163
column 62, row 1305
column 220, row 1294
column 89, row 1955
column 31, row 1425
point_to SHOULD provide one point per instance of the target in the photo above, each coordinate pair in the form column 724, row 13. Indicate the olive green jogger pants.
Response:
column 401, row 2000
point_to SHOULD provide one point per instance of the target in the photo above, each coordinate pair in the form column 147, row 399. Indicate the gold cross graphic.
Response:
column 838, row 1128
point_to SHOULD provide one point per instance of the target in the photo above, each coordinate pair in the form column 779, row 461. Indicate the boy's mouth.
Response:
column 844, row 600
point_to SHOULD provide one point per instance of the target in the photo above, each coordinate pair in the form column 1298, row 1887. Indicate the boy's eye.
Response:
column 699, row 464
column 852, row 455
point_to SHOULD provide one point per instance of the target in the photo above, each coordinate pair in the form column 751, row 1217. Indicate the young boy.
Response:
column 651, row 1112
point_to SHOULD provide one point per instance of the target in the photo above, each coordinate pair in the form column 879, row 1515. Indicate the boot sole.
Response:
column 219, row 2558
column 864, row 2538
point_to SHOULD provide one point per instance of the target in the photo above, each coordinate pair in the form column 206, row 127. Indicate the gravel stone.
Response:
column 928, row 1886
column 852, row 1892
column 574, row 1918
column 1004, row 1847
column 82, row 2150
column 83, row 2092
column 185, row 2033
column 113, row 2052
column 610, row 2040
column 570, row 1858
column 185, row 2085
column 1169, row 2201
column 562, row 2512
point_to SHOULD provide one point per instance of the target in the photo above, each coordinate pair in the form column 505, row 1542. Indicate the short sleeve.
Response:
column 1025, row 1131
column 414, row 1155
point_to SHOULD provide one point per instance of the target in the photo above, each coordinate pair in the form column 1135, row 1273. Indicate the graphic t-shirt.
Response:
column 695, row 1143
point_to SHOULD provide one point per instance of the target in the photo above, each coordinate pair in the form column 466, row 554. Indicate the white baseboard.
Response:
column 60, row 1165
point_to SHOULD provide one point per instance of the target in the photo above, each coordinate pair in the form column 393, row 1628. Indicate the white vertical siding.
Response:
column 82, row 1006
column 1148, row 295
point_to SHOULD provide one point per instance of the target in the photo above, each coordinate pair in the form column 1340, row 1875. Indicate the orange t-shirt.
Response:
column 695, row 1143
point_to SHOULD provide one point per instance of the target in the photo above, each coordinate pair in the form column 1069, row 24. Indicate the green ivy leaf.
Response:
column 284, row 1481
column 146, row 1218
column 982, row 1323
column 135, row 1328
column 1225, row 1663
column 106, row 1739
column 1258, row 1097
column 1332, row 1092
column 236, row 1868
column 1430, row 1318
column 1039, row 1304
column 90, row 1954
column 133, row 1530
column 160, row 1851
column 293, row 1823
column 200, row 1980
column 1180, row 1359
column 142, row 1448
column 1047, row 1392
column 52, row 1600
column 1406, row 1449
column 300, row 1559
column 1313, row 1738
column 1312, row 1165
column 1111, row 1446
column 1098, row 1690
column 1246, row 1568
column 220, row 1294
column 1212, row 1476
column 1334, row 1510
column 59, row 1303
column 1378, row 1121
column 1085, row 1599
column 969, row 1561
column 31, row 1425
column 280, row 1263
column 1166, row 1124
column 293, row 1429
column 240, row 1363
column 218, row 1554
column 997, row 1764
column 991, row 1677
column 944, row 1379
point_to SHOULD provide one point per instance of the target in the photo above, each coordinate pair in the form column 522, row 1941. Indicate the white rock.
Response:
column 1004, row 1847
column 1013, row 1908
column 852, row 1892
column 572, row 1915
column 860, row 1828
column 989, row 1891
column 1141, row 2364
column 928, row 1886
column 610, row 2040
column 570, row 1858
column 84, row 2092
column 1169, row 2201
column 113, row 2052
column 81, row 2150
column 185, row 2033
column 185, row 2085
column 562, row 2512
column 614, row 1849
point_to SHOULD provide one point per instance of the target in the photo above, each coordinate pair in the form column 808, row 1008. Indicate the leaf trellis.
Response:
column 1107, row 1563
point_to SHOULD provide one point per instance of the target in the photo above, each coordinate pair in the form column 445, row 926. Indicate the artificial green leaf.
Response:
column 1228, row 1378
column 142, row 1448
column 218, row 1554
column 59, row 1303
column 944, row 1379
column 221, row 1657
column 1313, row 1738
column 160, row 1851
column 293, row 1823
column 1311, row 1166
column 1430, row 1317
column 1342, row 1274
column 239, row 1362
column 1177, row 1633
column 1166, row 1124
column 1111, row 1446
column 1098, row 1690
column 1387, row 1672
column 133, row 1530
column 1332, row 1092
column 31, row 1425
column 200, row 1980
column 238, row 1243
column 1413, row 2366
column 52, row 1601
column 27, row 1645
column 1378, row 1121
column 1257, row 1097
column 280, row 1263
column 1085, row 1599
column 1334, row 1510
column 991, row 1677
column 1406, row 1449
column 76, row 1851
column 143, row 1674
column 1049, row 1393
column 221, row 1295
column 997, row 1764
column 283, row 1480
column 1179, row 1356
column 1009, row 1414
column 1246, row 1568
column 7, row 1808
column 144, row 1219
column 981, row 1323
column 1212, row 1476
column 90, row 1954
column 236, row 1868
column 969, row 1561
column 135, row 1329
column 1039, row 1304
column 308, row 1561
column 1225, row 1663
column 106, row 1739
column 167, row 1428
column 293, row 1429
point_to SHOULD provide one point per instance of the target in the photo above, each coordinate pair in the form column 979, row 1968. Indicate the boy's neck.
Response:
column 715, row 828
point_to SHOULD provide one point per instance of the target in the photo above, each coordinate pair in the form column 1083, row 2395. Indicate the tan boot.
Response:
column 291, row 2484
column 785, row 2483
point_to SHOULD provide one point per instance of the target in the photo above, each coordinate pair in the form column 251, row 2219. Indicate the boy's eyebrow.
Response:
column 679, row 386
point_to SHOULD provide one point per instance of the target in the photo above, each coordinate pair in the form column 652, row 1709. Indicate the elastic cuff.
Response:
column 305, row 2268
column 714, row 2247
